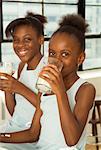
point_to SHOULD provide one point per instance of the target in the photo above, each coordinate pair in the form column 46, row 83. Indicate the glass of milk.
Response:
column 42, row 85
column 6, row 67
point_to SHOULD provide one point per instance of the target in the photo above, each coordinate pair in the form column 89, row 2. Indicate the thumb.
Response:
column 6, row 75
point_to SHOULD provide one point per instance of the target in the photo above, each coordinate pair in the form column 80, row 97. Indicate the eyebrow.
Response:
column 14, row 35
column 61, row 50
column 51, row 49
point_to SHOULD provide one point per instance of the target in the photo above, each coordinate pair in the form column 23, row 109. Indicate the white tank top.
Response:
column 24, row 110
column 51, row 137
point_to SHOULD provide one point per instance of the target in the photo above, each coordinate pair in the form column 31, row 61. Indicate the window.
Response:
column 53, row 11
column 13, row 10
column 93, row 46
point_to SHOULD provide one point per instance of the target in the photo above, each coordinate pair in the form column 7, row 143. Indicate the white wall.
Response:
column 94, row 77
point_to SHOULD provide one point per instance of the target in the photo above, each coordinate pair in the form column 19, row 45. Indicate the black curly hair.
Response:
column 37, row 21
column 73, row 24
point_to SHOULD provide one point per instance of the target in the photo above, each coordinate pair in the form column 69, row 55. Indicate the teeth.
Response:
column 22, row 52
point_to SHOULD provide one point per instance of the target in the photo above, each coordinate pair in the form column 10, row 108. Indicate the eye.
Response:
column 65, row 54
column 27, row 40
column 51, row 53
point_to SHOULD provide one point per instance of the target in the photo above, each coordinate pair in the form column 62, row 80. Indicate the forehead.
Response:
column 24, row 29
column 64, row 40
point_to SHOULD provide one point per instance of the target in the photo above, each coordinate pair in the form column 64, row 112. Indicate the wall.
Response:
column 94, row 77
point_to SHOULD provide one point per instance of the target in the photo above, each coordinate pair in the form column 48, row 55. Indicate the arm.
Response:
column 10, row 102
column 26, row 136
column 71, row 122
column 9, row 96
column 74, row 122
column 29, row 135
column 12, row 85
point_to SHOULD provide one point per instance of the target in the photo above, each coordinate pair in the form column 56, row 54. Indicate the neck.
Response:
column 70, row 80
column 34, row 62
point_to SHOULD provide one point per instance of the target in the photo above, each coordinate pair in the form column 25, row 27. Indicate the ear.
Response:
column 81, row 58
column 41, row 40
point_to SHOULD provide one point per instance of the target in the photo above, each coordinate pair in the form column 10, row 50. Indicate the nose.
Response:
column 58, row 57
column 21, row 44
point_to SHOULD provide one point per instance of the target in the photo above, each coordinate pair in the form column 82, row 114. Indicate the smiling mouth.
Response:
column 22, row 53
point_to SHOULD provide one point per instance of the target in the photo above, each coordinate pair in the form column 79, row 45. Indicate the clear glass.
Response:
column 6, row 67
column 8, row 54
column 93, row 54
column 42, row 85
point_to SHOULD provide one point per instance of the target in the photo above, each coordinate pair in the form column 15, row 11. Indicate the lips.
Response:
column 22, row 53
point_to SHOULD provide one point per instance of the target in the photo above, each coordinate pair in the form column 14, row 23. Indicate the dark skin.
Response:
column 29, row 135
column 26, row 44
column 67, row 49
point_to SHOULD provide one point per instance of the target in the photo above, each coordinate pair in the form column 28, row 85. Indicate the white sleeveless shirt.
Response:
column 24, row 110
column 51, row 136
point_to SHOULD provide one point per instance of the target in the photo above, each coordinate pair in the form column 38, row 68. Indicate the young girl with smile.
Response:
column 21, row 94
column 66, row 109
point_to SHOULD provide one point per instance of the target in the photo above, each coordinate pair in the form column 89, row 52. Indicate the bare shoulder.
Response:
column 87, row 88
column 86, row 94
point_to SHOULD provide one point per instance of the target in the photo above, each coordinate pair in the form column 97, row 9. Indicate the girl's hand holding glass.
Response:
column 6, row 67
column 7, row 82
column 48, row 74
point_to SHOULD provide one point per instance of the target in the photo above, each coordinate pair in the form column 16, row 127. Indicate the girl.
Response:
column 28, row 36
column 65, row 113
column 66, row 109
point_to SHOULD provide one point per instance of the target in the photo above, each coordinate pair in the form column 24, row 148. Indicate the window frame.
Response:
column 81, row 5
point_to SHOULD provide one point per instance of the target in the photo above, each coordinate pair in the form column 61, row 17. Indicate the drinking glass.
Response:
column 6, row 67
column 42, row 85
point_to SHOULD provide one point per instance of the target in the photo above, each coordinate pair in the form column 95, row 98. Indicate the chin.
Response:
column 24, row 60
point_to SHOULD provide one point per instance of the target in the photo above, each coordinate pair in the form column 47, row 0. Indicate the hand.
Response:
column 10, row 84
column 54, row 77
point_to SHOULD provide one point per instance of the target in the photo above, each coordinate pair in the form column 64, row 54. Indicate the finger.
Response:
column 54, row 67
column 4, row 82
column 50, row 73
column 5, row 75
column 50, row 81
column 6, row 89
column 5, row 85
column 50, row 78
column 48, row 69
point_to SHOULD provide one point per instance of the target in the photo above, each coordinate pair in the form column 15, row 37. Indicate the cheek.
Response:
column 15, row 48
column 69, row 66
column 33, row 45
